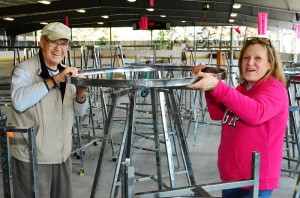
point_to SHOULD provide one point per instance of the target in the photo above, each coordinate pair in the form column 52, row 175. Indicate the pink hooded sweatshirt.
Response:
column 253, row 120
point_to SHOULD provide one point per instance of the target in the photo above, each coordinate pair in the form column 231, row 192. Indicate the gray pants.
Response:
column 54, row 179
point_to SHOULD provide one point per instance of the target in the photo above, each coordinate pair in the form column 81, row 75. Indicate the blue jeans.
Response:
column 244, row 193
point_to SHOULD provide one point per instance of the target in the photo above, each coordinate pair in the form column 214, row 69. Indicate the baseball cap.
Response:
column 55, row 31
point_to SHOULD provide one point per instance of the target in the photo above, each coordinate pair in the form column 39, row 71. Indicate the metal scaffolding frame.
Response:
column 162, row 92
column 6, row 158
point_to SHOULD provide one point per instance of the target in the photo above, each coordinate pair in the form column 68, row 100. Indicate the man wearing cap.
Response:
column 42, row 99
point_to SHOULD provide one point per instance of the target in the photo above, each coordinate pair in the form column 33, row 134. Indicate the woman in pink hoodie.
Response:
column 254, row 116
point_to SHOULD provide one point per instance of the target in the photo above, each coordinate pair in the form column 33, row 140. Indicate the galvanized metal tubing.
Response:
column 142, row 83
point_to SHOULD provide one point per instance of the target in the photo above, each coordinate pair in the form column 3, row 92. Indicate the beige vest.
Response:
column 52, row 119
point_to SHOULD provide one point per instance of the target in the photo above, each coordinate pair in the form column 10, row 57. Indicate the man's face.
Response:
column 53, row 51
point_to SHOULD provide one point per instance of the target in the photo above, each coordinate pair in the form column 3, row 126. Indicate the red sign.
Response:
column 143, row 23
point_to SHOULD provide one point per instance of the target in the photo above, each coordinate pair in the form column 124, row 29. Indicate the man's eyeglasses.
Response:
column 54, row 44
column 260, row 39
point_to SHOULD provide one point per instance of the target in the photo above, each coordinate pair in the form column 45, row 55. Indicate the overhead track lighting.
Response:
column 233, row 14
column 236, row 6
column 81, row 11
column 8, row 18
column 131, row 0
column 43, row 23
column 231, row 20
column 100, row 23
column 163, row 16
column 44, row 2
column 105, row 16
column 150, row 9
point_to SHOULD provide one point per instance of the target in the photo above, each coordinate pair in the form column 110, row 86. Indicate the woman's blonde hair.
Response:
column 276, row 70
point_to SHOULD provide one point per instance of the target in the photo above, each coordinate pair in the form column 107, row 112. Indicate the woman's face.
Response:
column 255, row 63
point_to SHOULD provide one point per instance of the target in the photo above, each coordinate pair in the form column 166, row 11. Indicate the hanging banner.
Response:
column 67, row 20
column 297, row 30
column 143, row 23
column 262, row 23
column 151, row 3
column 237, row 30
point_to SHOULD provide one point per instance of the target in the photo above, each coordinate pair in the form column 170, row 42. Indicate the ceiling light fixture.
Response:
column 236, row 6
column 81, row 11
column 43, row 23
column 131, row 0
column 163, row 16
column 105, row 16
column 183, row 21
column 45, row 2
column 150, row 9
column 100, row 23
column 8, row 18
column 233, row 14
column 231, row 20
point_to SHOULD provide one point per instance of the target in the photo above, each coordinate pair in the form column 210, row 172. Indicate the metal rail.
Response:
column 5, row 157
column 142, row 83
column 201, row 190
